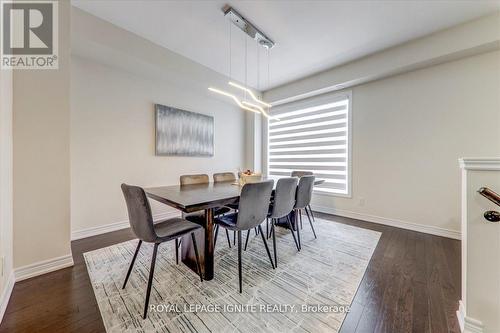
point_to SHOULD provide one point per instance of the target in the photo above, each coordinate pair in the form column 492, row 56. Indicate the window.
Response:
column 312, row 135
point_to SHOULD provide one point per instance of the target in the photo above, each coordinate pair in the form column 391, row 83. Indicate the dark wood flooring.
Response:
column 412, row 284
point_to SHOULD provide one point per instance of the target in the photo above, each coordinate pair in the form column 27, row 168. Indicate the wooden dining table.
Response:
column 200, row 197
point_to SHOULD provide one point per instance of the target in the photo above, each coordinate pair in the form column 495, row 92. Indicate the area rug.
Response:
column 309, row 291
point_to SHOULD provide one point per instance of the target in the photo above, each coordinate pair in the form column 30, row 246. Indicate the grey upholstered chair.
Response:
column 198, row 217
column 141, row 222
column 224, row 177
column 194, row 179
column 252, row 210
column 282, row 206
column 302, row 200
column 299, row 173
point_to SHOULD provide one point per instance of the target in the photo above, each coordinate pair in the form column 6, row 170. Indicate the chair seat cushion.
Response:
column 227, row 221
column 199, row 216
column 221, row 210
column 174, row 228
column 233, row 206
column 195, row 217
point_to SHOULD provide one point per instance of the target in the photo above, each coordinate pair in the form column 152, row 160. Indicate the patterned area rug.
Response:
column 310, row 291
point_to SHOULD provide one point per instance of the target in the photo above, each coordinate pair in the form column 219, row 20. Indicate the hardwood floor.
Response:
column 412, row 284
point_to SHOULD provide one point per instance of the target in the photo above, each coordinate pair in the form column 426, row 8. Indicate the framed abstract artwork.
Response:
column 183, row 133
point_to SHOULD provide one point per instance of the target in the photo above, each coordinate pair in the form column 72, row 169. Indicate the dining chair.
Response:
column 141, row 223
column 252, row 210
column 198, row 217
column 282, row 206
column 224, row 177
column 300, row 173
column 302, row 200
column 194, row 179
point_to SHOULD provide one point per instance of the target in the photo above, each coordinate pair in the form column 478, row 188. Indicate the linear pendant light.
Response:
column 239, row 21
column 236, row 100
column 260, row 109
column 250, row 93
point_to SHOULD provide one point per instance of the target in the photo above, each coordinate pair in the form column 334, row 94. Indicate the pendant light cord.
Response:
column 268, row 60
column 246, row 64
column 268, row 76
column 230, row 50
column 258, row 67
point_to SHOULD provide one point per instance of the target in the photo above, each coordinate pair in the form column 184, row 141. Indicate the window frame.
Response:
column 322, row 98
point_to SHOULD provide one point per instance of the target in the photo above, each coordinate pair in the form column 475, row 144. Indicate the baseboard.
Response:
column 467, row 324
column 42, row 267
column 472, row 326
column 7, row 291
column 391, row 222
column 461, row 315
column 102, row 229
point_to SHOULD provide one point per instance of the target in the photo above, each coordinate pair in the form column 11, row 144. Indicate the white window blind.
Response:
column 312, row 135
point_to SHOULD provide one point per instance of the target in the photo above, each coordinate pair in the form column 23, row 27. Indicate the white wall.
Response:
column 116, row 79
column 410, row 129
column 41, row 159
column 5, row 185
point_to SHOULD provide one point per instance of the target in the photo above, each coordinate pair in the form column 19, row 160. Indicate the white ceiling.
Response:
column 311, row 36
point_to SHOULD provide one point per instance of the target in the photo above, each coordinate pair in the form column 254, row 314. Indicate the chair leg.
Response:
column 234, row 237
column 150, row 280
column 311, row 211
column 256, row 231
column 196, row 255
column 246, row 241
column 274, row 244
column 132, row 263
column 293, row 233
column 300, row 217
column 228, row 240
column 265, row 245
column 298, row 229
column 216, row 233
column 177, row 251
column 310, row 222
column 239, row 261
column 267, row 227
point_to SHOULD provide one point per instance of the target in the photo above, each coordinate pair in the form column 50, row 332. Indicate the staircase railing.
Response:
column 491, row 215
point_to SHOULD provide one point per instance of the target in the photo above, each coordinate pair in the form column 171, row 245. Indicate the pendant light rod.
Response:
column 247, row 27
column 252, row 95
column 260, row 108
column 234, row 98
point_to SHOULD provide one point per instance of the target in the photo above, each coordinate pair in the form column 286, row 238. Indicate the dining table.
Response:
column 200, row 197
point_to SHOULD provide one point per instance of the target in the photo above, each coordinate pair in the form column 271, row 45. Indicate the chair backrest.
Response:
column 304, row 192
column 224, row 177
column 254, row 204
column 139, row 212
column 194, row 179
column 299, row 174
column 284, row 196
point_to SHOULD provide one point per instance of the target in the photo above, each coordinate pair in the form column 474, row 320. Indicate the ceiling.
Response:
column 311, row 36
